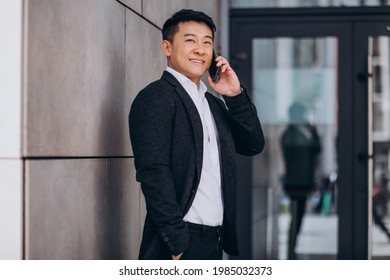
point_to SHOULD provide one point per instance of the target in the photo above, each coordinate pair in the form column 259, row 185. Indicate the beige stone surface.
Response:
column 135, row 5
column 75, row 78
column 11, row 209
column 145, row 61
column 81, row 209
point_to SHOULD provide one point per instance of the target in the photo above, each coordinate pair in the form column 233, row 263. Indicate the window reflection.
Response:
column 295, row 91
column 301, row 146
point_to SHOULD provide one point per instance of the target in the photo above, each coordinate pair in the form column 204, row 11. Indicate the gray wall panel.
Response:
column 210, row 7
column 124, row 207
column 81, row 209
column 75, row 78
column 66, row 209
column 135, row 5
column 157, row 12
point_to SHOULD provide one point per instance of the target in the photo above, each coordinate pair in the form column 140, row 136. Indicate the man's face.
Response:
column 191, row 51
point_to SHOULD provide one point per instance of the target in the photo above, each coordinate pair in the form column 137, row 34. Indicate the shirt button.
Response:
column 172, row 248
column 169, row 243
column 163, row 234
column 166, row 239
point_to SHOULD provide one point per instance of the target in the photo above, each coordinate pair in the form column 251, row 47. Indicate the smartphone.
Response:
column 214, row 71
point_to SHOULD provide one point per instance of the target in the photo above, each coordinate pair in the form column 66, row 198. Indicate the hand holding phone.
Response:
column 214, row 71
column 223, row 79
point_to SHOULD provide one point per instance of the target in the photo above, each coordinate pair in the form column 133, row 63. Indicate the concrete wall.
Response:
column 70, row 180
column 11, row 166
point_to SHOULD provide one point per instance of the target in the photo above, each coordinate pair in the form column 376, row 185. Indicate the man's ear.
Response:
column 166, row 48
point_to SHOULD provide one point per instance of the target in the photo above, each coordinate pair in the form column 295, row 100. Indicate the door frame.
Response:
column 362, row 31
column 351, row 26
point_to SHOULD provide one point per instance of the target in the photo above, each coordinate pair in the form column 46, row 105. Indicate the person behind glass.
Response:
column 379, row 204
column 300, row 147
column 184, row 141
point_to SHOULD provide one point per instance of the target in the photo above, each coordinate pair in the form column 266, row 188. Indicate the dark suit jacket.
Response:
column 167, row 139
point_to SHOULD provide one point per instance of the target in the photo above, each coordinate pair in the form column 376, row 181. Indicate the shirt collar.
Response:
column 185, row 82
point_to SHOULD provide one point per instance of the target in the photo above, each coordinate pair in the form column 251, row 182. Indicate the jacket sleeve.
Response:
column 246, row 128
column 150, row 125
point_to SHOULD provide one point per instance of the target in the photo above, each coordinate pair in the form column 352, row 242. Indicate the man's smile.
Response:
column 197, row 61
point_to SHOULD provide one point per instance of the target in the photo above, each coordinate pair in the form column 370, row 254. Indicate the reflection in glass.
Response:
column 379, row 49
column 295, row 91
column 300, row 148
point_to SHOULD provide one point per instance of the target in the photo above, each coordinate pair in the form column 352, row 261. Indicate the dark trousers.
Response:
column 205, row 243
column 297, row 209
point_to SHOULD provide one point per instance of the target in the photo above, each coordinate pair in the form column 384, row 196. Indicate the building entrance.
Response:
column 320, row 80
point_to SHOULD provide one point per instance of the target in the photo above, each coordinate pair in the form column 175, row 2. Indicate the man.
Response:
column 184, row 141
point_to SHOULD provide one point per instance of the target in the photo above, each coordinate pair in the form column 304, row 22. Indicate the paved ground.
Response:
column 318, row 238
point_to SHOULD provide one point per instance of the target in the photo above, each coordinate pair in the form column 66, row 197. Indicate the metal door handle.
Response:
column 365, row 157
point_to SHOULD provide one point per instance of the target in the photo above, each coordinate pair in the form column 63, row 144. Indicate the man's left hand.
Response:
column 228, row 83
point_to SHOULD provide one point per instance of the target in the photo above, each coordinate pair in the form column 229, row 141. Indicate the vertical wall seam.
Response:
column 124, row 50
column 24, row 208
column 106, row 187
column 23, row 107
column 24, row 79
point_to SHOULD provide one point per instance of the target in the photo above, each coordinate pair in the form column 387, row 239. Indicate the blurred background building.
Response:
column 69, row 71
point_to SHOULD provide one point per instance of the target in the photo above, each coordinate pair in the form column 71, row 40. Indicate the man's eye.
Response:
column 208, row 43
column 190, row 40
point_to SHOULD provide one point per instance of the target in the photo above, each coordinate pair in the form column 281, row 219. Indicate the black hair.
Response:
column 170, row 27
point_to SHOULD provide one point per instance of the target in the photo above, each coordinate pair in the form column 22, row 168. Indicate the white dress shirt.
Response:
column 207, row 207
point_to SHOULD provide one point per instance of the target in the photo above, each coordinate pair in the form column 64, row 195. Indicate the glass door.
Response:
column 300, row 89
column 321, row 84
column 372, row 134
column 379, row 145
column 294, row 86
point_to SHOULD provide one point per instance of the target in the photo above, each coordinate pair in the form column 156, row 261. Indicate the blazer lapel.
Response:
column 194, row 117
column 226, row 143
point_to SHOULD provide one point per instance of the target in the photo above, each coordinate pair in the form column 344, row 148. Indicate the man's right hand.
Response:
column 177, row 257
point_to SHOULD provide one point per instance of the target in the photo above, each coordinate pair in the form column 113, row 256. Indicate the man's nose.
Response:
column 199, row 49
